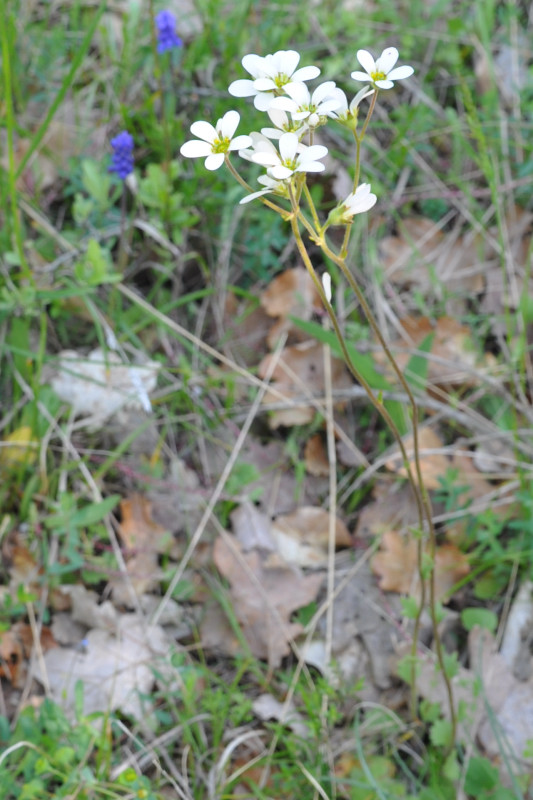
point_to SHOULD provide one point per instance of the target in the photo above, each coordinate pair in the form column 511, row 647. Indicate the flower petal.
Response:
column 360, row 76
column 253, row 196
column 228, row 124
column 323, row 91
column 242, row 88
column 298, row 92
column 195, row 149
column 366, row 60
column 313, row 152
column 263, row 101
column 384, row 84
column 266, row 159
column 214, row 161
column 204, row 130
column 240, row 142
column 272, row 133
column 400, row 73
column 286, row 61
column 312, row 166
column 278, row 117
column 305, row 74
column 288, row 146
column 283, row 104
column 387, row 60
column 361, row 94
column 264, row 85
column 280, row 173
column 254, row 64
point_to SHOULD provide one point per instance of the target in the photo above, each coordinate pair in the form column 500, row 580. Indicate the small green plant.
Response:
column 46, row 755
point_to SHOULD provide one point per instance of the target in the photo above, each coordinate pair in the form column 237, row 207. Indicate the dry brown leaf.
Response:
column 396, row 565
column 293, row 292
column 452, row 361
column 315, row 456
column 252, row 527
column 393, row 507
column 15, row 649
column 300, row 367
column 303, row 536
column 245, row 329
column 264, row 598
column 421, row 250
column 433, row 465
column 144, row 539
column 116, row 668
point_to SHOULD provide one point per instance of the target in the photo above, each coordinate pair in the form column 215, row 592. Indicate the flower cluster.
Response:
column 278, row 86
column 122, row 158
column 167, row 38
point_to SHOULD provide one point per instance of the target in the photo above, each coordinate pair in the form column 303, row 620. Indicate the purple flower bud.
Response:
column 166, row 31
column 122, row 160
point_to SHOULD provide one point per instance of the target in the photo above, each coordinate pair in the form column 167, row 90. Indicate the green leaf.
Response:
column 96, row 182
column 418, row 365
column 404, row 668
column 484, row 617
column 409, row 607
column 441, row 733
column 95, row 512
column 480, row 775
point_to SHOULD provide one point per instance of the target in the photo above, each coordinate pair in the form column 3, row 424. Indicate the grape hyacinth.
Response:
column 122, row 159
column 166, row 31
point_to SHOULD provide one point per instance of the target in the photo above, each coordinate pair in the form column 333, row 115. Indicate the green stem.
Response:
column 417, row 484
column 312, row 208
column 249, row 189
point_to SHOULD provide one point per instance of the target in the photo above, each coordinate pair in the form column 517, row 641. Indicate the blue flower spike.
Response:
column 167, row 38
column 122, row 159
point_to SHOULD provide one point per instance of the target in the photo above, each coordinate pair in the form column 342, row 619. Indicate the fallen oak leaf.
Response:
column 300, row 368
column 432, row 464
column 452, row 361
column 144, row 540
column 302, row 537
column 396, row 565
column 15, row 649
column 290, row 294
column 315, row 456
column 264, row 597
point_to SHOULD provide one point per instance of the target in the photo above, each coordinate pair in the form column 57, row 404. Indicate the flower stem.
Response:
column 418, row 486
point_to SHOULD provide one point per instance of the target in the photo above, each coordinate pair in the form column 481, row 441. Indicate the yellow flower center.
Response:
column 221, row 145
column 378, row 76
column 281, row 79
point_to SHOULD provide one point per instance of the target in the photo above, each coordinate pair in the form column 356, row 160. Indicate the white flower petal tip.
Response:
column 215, row 140
column 358, row 202
column 381, row 73
column 271, row 184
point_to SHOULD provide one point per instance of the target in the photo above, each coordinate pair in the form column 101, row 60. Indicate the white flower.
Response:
column 358, row 202
column 271, row 74
column 283, row 125
column 346, row 112
column 215, row 141
column 258, row 144
column 310, row 107
column 292, row 157
column 381, row 72
column 272, row 185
